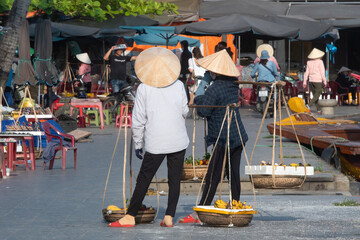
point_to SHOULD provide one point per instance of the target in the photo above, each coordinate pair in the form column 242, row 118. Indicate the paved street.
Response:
column 55, row 204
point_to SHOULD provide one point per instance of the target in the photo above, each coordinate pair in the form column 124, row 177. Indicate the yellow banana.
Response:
column 220, row 204
column 113, row 207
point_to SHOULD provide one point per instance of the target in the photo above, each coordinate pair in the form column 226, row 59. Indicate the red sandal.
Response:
column 118, row 224
column 189, row 219
column 164, row 225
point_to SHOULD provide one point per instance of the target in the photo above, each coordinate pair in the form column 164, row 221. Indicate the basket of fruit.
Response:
column 278, row 176
column 222, row 214
column 145, row 214
column 201, row 166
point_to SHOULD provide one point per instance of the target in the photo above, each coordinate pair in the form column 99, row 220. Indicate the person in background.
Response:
column 158, row 124
column 270, row 50
column 196, row 70
column 346, row 81
column 315, row 74
column 265, row 69
column 184, row 62
column 85, row 68
column 222, row 92
column 118, row 66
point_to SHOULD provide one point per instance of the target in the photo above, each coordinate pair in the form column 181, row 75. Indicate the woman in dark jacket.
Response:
column 221, row 93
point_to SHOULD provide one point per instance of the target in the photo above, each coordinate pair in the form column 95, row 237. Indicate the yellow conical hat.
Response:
column 220, row 63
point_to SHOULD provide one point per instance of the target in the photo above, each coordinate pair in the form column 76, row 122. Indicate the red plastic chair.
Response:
column 289, row 90
column 300, row 90
column 47, row 126
column 334, row 87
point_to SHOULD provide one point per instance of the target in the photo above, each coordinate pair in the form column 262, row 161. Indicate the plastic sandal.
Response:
column 117, row 224
column 164, row 225
column 189, row 219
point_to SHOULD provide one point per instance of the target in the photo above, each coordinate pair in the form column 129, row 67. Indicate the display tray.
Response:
column 33, row 133
column 143, row 216
column 279, row 170
column 219, row 217
column 40, row 116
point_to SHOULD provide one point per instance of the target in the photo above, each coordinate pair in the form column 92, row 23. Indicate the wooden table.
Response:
column 12, row 157
column 83, row 103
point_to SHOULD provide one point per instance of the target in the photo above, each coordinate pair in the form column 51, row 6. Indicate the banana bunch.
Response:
column 113, row 207
column 235, row 204
column 240, row 205
column 220, row 204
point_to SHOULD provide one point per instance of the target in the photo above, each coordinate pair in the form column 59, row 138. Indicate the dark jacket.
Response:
column 344, row 81
column 221, row 93
column 184, row 61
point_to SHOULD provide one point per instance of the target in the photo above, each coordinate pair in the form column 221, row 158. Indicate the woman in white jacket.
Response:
column 158, row 125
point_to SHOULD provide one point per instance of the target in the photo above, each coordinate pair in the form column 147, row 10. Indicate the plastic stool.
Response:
column 107, row 115
column 96, row 120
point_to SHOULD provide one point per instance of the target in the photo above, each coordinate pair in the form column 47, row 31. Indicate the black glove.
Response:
column 139, row 153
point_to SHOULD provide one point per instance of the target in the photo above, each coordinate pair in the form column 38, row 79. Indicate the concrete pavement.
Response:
column 56, row 204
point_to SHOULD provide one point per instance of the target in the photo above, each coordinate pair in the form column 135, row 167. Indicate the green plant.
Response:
column 96, row 9
column 203, row 161
column 347, row 203
column 319, row 168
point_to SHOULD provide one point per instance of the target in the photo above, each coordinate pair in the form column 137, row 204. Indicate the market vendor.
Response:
column 85, row 68
column 158, row 124
column 346, row 81
column 221, row 93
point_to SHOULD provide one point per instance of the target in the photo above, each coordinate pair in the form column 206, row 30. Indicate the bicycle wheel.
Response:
column 112, row 104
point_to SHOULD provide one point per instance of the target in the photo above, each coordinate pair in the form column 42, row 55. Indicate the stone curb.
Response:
column 318, row 184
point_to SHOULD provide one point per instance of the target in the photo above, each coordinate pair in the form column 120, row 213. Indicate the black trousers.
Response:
column 149, row 167
column 213, row 175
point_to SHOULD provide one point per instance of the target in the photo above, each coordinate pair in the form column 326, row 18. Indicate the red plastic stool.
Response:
column 11, row 158
column 120, row 118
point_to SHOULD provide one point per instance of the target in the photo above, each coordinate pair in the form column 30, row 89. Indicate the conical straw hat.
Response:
column 316, row 53
column 83, row 57
column 157, row 67
column 344, row 69
column 220, row 63
column 266, row 47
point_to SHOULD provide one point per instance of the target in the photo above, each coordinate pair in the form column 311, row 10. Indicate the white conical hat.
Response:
column 316, row 53
column 344, row 69
column 157, row 67
column 266, row 47
column 83, row 57
column 220, row 63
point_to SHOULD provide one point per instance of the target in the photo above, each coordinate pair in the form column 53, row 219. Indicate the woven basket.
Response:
column 223, row 220
column 145, row 216
column 266, row 181
column 188, row 172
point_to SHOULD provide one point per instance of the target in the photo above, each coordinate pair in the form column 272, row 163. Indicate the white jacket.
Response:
column 158, row 118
